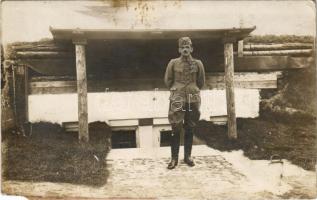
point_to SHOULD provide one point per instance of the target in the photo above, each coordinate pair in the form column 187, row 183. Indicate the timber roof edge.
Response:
column 100, row 34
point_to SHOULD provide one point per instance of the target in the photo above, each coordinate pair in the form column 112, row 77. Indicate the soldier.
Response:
column 184, row 76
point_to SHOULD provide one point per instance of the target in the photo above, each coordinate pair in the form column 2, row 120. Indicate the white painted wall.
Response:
column 30, row 20
column 58, row 108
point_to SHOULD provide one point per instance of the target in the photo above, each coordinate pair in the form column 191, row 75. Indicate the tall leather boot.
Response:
column 175, row 142
column 188, row 143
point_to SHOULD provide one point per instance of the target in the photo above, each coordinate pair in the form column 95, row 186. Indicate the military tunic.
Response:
column 184, row 77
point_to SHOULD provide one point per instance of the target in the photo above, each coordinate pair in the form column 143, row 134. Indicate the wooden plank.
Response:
column 53, row 90
column 82, row 92
column 246, row 76
column 284, row 46
column 147, row 83
column 52, row 78
column 102, row 34
column 214, row 76
column 39, row 48
column 254, row 76
column 43, row 54
column 239, row 77
column 256, row 84
column 39, row 45
column 219, row 118
column 307, row 52
column 209, row 85
column 241, row 80
column 44, row 84
column 229, row 75
column 70, row 126
column 246, row 85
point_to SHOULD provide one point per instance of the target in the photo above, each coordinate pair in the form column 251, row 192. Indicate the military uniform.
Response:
column 184, row 76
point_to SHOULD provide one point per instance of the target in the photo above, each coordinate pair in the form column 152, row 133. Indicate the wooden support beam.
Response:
column 240, row 48
column 8, row 114
column 83, row 134
column 20, row 96
column 60, row 85
column 229, row 82
column 26, row 93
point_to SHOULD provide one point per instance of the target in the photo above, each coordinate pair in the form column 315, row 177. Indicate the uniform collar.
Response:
column 187, row 59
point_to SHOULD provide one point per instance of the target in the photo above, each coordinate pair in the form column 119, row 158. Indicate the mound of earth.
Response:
column 260, row 139
column 296, row 98
column 49, row 153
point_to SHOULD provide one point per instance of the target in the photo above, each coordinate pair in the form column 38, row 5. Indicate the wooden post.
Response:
column 240, row 48
column 26, row 93
column 229, row 76
column 20, row 96
column 83, row 134
column 8, row 112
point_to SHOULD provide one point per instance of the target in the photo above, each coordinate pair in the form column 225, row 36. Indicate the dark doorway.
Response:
column 165, row 138
column 123, row 139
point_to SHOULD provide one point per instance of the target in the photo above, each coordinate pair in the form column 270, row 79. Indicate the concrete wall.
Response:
column 60, row 108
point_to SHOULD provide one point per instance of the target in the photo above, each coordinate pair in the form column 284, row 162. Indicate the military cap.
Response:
column 184, row 41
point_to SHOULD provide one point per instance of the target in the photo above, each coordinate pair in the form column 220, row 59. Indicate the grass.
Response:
column 262, row 138
column 51, row 154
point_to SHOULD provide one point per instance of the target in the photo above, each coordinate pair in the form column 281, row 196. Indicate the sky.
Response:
column 30, row 20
